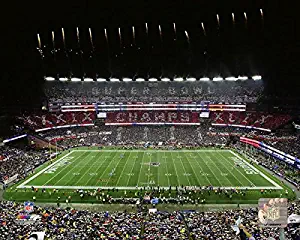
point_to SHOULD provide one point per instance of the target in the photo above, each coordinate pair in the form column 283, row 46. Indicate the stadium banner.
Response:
column 295, row 162
column 55, row 120
column 65, row 126
column 152, row 118
column 241, row 126
column 153, row 123
column 11, row 179
column 14, row 138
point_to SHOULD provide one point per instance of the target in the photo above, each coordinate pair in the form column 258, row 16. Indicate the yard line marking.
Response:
column 93, row 158
column 237, row 170
column 156, row 150
column 133, row 188
column 167, row 168
column 177, row 176
column 103, row 161
column 262, row 174
column 141, row 169
column 112, row 161
column 199, row 182
column 122, row 169
column 131, row 172
column 202, row 169
column 210, row 170
column 184, row 170
column 121, row 159
column 70, row 170
column 43, row 170
column 213, row 162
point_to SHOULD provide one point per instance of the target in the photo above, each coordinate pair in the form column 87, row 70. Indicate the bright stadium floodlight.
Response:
column 204, row 79
column 127, row 80
column 191, row 79
column 179, row 79
column 101, row 80
column 256, row 77
column 88, row 80
column 242, row 77
column 49, row 78
column 140, row 80
column 75, row 79
column 63, row 79
column 114, row 80
column 217, row 79
column 152, row 79
column 231, row 79
column 165, row 79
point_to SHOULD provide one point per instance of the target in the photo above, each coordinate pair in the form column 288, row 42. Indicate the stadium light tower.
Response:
column 178, row 79
column 231, row 79
column 75, row 79
column 152, row 80
column 127, row 80
column 140, row 80
column 114, row 80
column 256, row 77
column 49, row 78
column 242, row 77
column 191, row 79
column 217, row 79
column 101, row 80
column 88, row 80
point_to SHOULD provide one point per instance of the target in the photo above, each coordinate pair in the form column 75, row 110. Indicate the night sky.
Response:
column 270, row 48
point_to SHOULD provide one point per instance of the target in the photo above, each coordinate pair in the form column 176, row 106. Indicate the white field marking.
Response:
column 230, row 171
column 165, row 158
column 70, row 170
column 103, row 161
column 210, row 169
column 132, row 174
column 83, row 174
column 116, row 168
column 184, row 169
column 149, row 169
column 238, row 171
column 157, row 169
column 122, row 169
column 107, row 167
column 134, row 188
column 43, row 170
column 262, row 174
column 192, row 169
column 139, row 171
column 196, row 160
column 177, row 176
column 213, row 163
column 153, row 151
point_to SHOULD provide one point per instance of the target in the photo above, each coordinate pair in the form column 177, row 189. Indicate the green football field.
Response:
column 128, row 169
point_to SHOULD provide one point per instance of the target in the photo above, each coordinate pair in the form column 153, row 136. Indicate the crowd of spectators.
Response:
column 231, row 92
column 69, row 223
column 19, row 161
column 290, row 173
column 291, row 146
column 135, row 135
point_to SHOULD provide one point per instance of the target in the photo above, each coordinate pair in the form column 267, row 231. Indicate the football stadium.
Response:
column 146, row 121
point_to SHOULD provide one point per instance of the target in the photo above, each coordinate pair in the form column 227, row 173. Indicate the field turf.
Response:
column 128, row 169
